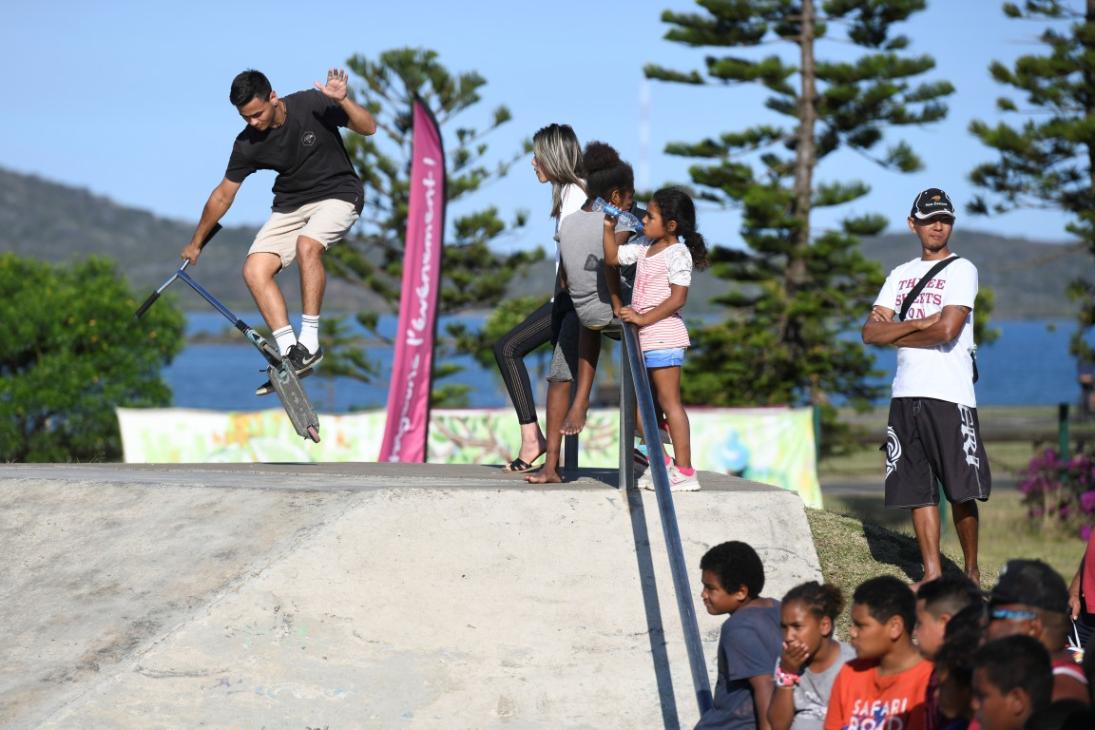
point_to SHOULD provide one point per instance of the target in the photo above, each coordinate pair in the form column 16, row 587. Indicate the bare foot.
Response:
column 974, row 574
column 575, row 420
column 544, row 477
column 926, row 579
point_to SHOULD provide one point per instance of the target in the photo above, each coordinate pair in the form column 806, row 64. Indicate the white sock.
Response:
column 285, row 339
column 309, row 332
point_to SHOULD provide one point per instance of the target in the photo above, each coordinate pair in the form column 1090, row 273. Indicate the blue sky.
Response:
column 130, row 98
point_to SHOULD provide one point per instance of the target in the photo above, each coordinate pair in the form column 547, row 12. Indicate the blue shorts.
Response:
column 673, row 357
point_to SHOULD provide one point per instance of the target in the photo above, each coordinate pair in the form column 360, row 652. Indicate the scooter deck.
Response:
column 295, row 401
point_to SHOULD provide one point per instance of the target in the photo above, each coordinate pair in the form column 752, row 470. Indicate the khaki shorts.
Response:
column 326, row 221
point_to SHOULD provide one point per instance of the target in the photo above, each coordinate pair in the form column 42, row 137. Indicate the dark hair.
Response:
column 605, row 171
column 886, row 597
column 675, row 205
column 1065, row 714
column 1018, row 662
column 1055, row 627
column 820, row 600
column 736, row 564
column 248, row 85
column 948, row 594
column 968, row 625
column 963, row 635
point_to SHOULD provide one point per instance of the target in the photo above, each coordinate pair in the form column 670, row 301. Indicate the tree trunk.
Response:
column 1089, row 105
column 805, row 158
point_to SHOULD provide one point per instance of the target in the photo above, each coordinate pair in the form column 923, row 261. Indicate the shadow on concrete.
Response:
column 655, row 628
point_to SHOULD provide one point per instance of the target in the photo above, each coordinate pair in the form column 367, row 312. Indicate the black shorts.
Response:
column 929, row 440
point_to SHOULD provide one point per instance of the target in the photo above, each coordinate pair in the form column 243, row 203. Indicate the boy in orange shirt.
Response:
column 885, row 686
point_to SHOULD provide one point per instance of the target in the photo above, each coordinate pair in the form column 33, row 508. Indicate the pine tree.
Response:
column 1048, row 160
column 796, row 291
column 474, row 274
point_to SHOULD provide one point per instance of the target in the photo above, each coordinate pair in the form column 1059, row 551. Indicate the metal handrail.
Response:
column 635, row 389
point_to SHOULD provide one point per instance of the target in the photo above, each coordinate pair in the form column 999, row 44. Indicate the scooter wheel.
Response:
column 313, row 433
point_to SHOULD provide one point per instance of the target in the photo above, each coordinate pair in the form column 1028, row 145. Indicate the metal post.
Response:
column 679, row 570
column 627, row 423
column 1062, row 432
column 817, row 434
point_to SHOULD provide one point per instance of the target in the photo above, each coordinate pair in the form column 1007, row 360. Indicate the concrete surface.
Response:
column 358, row 596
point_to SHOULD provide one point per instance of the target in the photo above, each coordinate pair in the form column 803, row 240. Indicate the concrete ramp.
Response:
column 358, row 596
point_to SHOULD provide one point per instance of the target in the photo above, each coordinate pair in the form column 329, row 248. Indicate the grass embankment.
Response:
column 857, row 538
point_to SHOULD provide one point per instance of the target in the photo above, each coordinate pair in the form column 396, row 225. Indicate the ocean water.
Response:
column 1028, row 365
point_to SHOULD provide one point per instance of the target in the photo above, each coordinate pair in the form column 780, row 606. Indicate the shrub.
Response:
column 1059, row 494
column 72, row 353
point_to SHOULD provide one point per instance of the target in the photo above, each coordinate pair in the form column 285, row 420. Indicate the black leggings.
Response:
column 510, row 353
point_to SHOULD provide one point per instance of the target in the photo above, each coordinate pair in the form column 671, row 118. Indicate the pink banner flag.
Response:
column 405, row 431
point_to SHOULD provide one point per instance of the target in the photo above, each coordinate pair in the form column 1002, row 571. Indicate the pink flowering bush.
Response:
column 1059, row 494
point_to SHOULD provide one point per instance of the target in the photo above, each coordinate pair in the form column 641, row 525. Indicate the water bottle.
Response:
column 629, row 220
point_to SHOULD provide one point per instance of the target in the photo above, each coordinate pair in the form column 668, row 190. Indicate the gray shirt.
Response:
column 811, row 696
column 749, row 645
column 581, row 248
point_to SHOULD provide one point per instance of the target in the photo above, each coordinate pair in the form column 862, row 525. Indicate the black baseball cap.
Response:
column 1031, row 583
column 931, row 203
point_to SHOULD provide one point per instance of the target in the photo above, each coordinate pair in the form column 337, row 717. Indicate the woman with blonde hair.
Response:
column 557, row 159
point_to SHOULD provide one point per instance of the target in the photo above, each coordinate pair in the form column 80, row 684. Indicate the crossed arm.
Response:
column 935, row 329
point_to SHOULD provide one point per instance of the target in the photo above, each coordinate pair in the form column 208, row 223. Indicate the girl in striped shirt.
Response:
column 662, row 277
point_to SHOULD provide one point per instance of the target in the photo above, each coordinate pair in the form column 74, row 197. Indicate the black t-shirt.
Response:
column 306, row 151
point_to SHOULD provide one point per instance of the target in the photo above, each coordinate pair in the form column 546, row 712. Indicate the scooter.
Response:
column 282, row 376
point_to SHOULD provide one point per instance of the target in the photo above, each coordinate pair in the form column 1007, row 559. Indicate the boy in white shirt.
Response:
column 933, row 433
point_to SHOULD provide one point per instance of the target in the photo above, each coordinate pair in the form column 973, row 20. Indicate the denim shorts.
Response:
column 673, row 357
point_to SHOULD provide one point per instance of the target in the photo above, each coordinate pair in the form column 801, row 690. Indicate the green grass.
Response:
column 1006, row 458
column 857, row 538
column 1005, row 533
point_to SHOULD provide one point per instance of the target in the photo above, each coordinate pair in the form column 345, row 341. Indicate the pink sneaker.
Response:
column 680, row 482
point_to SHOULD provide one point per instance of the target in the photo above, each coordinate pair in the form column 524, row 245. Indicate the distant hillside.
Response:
column 1028, row 277
column 56, row 222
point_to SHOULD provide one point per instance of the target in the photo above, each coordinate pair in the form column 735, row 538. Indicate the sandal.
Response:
column 519, row 465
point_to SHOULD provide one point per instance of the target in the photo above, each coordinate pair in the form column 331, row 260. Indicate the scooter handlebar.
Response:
column 147, row 303
column 156, row 294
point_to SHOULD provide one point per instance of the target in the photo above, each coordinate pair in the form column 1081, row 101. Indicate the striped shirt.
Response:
column 653, row 275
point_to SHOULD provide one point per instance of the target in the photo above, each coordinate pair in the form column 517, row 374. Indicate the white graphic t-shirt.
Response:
column 945, row 371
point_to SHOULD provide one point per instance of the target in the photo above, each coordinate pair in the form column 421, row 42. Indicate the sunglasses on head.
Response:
column 1008, row 614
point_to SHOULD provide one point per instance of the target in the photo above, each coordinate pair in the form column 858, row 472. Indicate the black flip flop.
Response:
column 520, row 466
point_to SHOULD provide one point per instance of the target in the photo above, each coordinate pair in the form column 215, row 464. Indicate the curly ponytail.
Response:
column 675, row 205
column 820, row 600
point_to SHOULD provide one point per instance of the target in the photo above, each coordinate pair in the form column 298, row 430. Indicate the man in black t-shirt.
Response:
column 317, row 197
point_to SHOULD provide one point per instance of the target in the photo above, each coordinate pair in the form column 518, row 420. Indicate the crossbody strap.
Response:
column 922, row 283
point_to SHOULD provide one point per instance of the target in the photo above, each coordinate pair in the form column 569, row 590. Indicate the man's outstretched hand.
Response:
column 335, row 89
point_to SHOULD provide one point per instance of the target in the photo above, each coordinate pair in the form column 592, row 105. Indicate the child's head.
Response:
column 671, row 214
column 808, row 614
column 1030, row 598
column 732, row 576
column 936, row 602
column 1012, row 680
column 954, row 661
column 607, row 176
column 883, row 615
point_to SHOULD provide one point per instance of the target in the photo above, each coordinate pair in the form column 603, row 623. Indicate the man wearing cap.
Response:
column 1031, row 599
column 933, row 433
